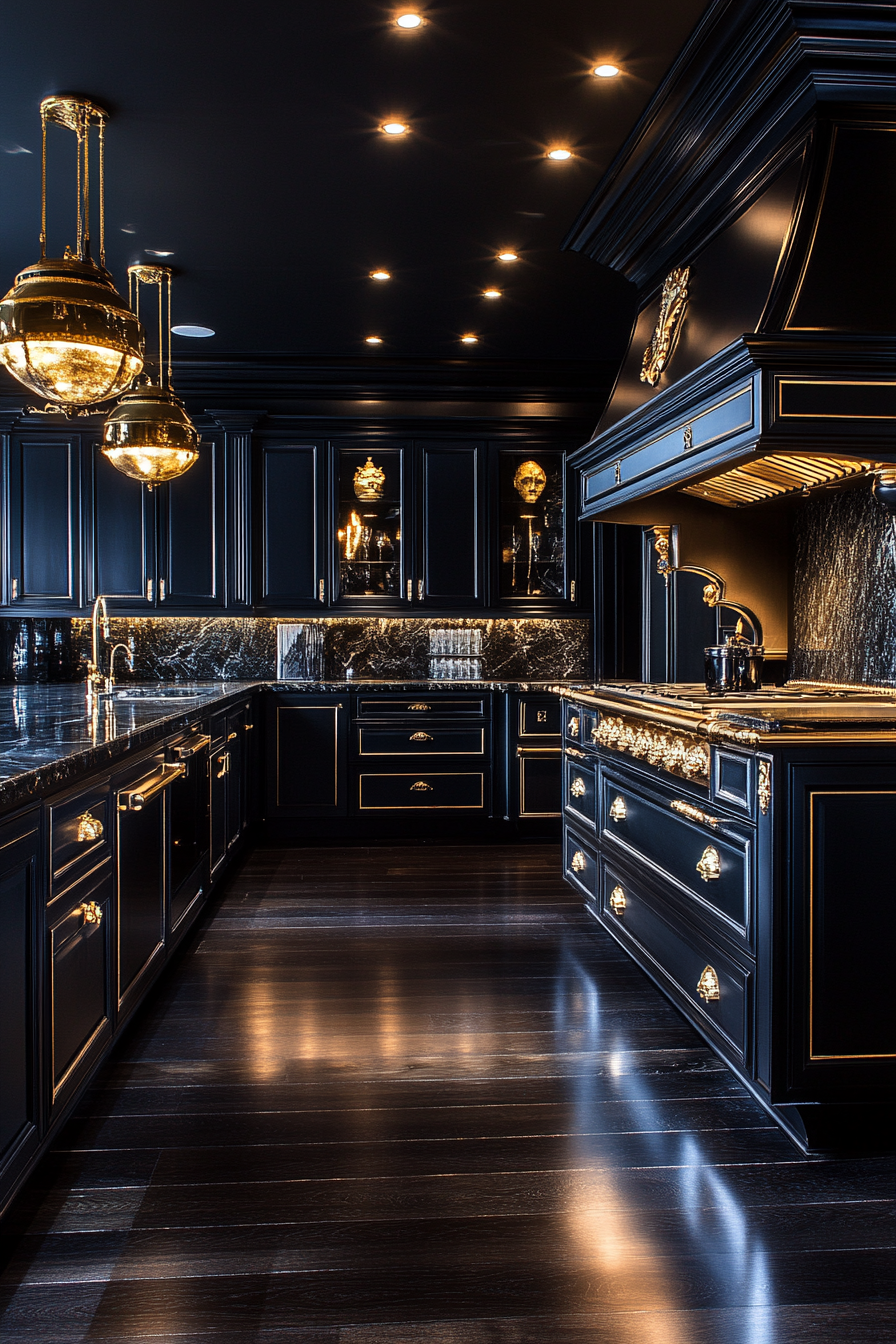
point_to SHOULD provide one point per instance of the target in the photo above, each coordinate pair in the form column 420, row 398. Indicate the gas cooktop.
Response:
column 772, row 709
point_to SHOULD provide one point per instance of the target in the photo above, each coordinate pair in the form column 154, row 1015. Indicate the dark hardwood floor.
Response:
column 408, row 1095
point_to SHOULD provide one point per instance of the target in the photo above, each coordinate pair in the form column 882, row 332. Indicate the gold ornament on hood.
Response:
column 369, row 481
column 529, row 481
column 673, row 306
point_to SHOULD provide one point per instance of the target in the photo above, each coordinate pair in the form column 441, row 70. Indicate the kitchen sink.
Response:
column 154, row 694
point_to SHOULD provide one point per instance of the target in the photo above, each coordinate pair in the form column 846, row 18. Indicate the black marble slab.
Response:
column 50, row 736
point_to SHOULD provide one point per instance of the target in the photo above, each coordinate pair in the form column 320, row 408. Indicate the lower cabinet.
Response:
column 20, row 1044
column 229, row 779
column 307, row 756
column 139, row 799
column 534, row 763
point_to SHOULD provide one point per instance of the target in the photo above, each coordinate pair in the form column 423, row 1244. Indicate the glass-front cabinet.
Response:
column 368, row 540
column 532, row 568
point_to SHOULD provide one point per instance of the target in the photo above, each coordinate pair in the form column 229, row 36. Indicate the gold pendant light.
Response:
column 65, row 332
column 149, row 435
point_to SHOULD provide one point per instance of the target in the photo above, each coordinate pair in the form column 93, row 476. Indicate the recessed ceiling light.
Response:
column 605, row 71
column 395, row 128
column 508, row 256
column 151, row 252
column 409, row 20
column 373, row 340
column 559, row 154
column 469, row 339
column 380, row 275
column 491, row 293
column 189, row 330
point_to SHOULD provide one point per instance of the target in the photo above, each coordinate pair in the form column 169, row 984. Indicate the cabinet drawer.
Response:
column 79, row 977
column 422, row 792
column 579, row 863
column 580, row 790
column 414, row 741
column 711, row 861
column 539, row 781
column 684, row 956
column 426, row 705
column 578, row 723
column 80, row 831
column 539, row 716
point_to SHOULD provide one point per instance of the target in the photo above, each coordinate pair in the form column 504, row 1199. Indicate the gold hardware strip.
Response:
column 617, row 900
column 764, row 786
column 708, row 985
column 709, row 865
column 133, row 800
column 195, row 745
column 89, row 828
column 693, row 813
column 679, row 753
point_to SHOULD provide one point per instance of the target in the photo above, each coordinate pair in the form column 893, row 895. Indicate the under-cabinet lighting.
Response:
column 778, row 474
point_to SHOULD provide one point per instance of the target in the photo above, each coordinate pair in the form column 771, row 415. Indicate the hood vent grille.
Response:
column 780, row 474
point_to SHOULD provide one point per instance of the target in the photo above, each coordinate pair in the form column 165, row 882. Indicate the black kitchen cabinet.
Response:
column 188, row 830
column 139, row 798
column 534, row 800
column 534, row 551
column 289, row 512
column 230, row 756
column 449, row 542
column 42, row 523
column 307, row 756
column 19, row 987
column 159, row 548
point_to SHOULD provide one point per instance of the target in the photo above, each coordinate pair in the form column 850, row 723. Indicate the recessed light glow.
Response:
column 373, row 340
column 409, row 20
column 151, row 252
column 491, row 293
column 189, row 330
column 395, row 128
column 559, row 154
column 508, row 256
column 469, row 339
column 605, row 71
column 380, row 275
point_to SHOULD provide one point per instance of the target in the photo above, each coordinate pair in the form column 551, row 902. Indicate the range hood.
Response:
column 749, row 206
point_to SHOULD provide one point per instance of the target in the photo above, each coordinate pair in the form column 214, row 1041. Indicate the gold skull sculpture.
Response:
column 529, row 481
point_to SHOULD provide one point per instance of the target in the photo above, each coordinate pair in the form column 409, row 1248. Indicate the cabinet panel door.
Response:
column 307, row 757
column 45, row 522
column 191, row 515
column 123, row 550
column 450, row 556
column 140, row 893
column 18, row 1000
column 288, row 559
column 80, row 983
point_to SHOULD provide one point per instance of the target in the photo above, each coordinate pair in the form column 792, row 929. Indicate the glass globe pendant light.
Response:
column 65, row 332
column 149, row 435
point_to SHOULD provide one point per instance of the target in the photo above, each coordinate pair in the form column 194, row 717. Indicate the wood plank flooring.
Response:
column 415, row 1096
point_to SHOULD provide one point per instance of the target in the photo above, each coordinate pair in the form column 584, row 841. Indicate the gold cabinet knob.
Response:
column 421, row 787
column 617, row 900
column 92, row 912
column 709, row 865
column 418, row 706
column 578, row 862
column 617, row 809
column 420, row 737
column 708, row 985
column 573, row 727
column 577, row 787
column 89, row 828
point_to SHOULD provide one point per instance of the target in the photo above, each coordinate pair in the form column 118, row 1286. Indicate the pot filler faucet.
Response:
column 101, row 683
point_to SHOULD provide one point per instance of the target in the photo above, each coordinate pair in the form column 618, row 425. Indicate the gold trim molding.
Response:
column 680, row 753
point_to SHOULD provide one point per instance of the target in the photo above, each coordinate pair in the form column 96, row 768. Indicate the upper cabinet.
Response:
column 531, row 551
column 370, row 533
column 289, row 499
column 42, row 525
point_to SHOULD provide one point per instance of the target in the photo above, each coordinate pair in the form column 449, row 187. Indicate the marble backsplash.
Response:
column 232, row 648
column 844, row 594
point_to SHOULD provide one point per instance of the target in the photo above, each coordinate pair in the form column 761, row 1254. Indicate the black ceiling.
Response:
column 244, row 139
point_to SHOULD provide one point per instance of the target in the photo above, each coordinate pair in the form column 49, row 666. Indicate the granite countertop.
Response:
column 49, row 737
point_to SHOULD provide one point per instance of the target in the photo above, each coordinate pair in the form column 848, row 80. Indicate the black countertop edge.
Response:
column 49, row 738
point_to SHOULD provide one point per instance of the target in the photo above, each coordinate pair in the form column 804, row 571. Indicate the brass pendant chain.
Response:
column 169, row 330
column 43, row 185
column 102, row 193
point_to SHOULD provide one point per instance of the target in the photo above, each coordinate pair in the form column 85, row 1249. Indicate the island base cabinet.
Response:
column 140, row 878
column 79, row 990
column 19, row 1098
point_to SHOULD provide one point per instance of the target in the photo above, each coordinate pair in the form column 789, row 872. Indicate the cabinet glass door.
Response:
column 369, row 524
column 532, row 564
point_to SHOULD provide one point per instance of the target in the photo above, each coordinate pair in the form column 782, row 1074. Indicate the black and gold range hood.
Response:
column 752, row 215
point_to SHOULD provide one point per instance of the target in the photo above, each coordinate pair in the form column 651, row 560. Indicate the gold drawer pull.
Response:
column 92, row 912
column 617, row 809
column 617, row 900
column 420, row 737
column 418, row 706
column 573, row 727
column 231, row 736
column 710, row 864
column 577, row 787
column 578, row 862
column 693, row 813
column 708, row 985
column 421, row 787
column 89, row 828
